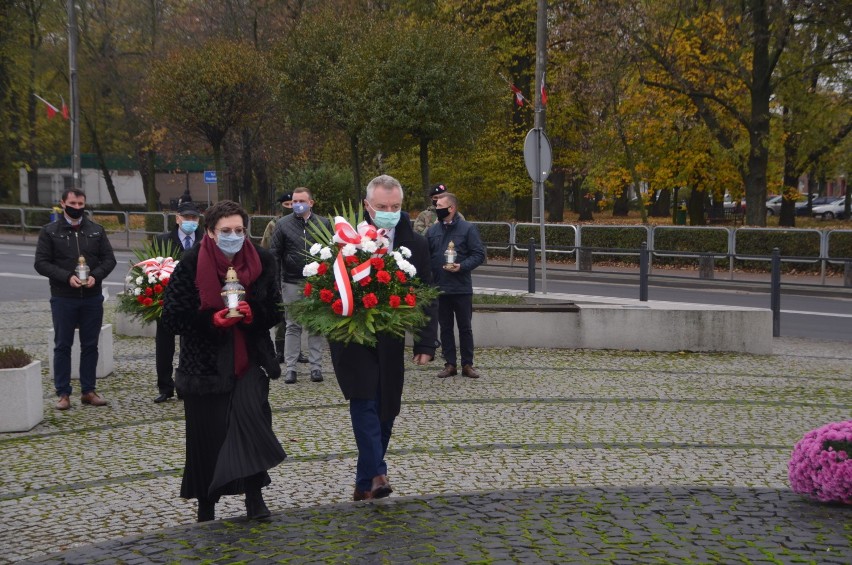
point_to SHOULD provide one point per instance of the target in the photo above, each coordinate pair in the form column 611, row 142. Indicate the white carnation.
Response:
column 325, row 253
column 152, row 278
column 139, row 279
column 383, row 241
column 406, row 252
column 410, row 269
column 311, row 269
column 369, row 246
column 127, row 279
column 137, row 291
column 348, row 250
column 397, row 256
column 315, row 248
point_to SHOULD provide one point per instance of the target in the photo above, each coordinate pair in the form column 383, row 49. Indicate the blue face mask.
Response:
column 188, row 227
column 300, row 208
column 230, row 244
column 385, row 220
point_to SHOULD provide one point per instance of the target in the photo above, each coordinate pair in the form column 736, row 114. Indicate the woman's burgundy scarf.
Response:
column 210, row 277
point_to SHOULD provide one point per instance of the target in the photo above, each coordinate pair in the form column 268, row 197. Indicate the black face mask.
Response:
column 74, row 213
column 442, row 213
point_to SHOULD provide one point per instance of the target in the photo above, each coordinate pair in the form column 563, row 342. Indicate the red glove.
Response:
column 244, row 309
column 220, row 321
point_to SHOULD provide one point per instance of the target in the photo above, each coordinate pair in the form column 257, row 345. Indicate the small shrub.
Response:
column 14, row 358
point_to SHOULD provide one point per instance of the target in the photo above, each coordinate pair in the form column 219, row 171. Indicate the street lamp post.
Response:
column 75, row 100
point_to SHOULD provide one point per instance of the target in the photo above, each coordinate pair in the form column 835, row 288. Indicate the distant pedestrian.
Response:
column 427, row 218
column 182, row 237
column 455, row 304
column 76, row 300
column 225, row 363
column 290, row 246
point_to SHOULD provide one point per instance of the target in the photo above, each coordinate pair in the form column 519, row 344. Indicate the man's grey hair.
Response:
column 385, row 181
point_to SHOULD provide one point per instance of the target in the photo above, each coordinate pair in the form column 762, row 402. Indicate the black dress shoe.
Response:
column 255, row 506
column 290, row 378
column 163, row 397
column 302, row 358
column 206, row 510
column 316, row 376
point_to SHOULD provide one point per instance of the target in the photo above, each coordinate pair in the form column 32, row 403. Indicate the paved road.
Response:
column 552, row 457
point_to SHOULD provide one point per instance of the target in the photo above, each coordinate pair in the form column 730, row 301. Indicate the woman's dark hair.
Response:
column 223, row 209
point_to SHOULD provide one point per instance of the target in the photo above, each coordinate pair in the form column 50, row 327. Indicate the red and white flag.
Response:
column 543, row 91
column 519, row 97
column 51, row 109
column 64, row 108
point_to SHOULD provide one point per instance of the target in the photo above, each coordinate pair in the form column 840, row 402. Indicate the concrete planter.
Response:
column 21, row 398
column 106, row 353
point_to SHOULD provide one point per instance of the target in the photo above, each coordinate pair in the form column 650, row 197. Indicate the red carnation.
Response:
column 322, row 269
column 308, row 289
column 149, row 291
column 326, row 295
column 378, row 263
column 365, row 281
column 400, row 276
column 370, row 300
column 160, row 302
column 147, row 302
column 351, row 260
column 383, row 277
column 394, row 301
column 140, row 299
column 410, row 299
column 158, row 288
column 337, row 306
column 165, row 281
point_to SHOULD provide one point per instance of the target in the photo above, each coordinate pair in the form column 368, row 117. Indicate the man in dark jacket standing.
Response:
column 371, row 378
column 290, row 245
column 455, row 282
column 75, row 296
column 183, row 236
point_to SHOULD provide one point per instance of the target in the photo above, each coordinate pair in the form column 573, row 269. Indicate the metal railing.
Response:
column 513, row 238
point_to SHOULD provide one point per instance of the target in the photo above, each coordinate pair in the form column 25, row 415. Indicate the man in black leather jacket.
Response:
column 290, row 245
column 75, row 300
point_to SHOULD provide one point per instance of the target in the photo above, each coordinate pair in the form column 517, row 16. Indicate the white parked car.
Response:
column 773, row 205
column 830, row 211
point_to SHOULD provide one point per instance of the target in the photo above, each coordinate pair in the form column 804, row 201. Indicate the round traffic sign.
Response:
column 538, row 155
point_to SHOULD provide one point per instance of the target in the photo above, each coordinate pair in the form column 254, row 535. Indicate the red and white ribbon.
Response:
column 344, row 287
column 159, row 269
column 346, row 234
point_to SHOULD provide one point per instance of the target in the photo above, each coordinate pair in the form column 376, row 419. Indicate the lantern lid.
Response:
column 231, row 275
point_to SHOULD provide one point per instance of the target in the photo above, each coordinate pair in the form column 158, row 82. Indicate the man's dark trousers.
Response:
column 460, row 307
column 69, row 314
column 165, row 354
column 372, row 437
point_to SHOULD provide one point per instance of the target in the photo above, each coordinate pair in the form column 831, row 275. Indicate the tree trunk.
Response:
column 587, row 207
column 265, row 195
column 556, row 208
column 761, row 91
column 246, row 184
column 222, row 193
column 662, row 204
column 675, row 204
column 356, row 168
column 103, row 166
column 424, row 169
column 149, row 179
column 621, row 205
column 695, row 208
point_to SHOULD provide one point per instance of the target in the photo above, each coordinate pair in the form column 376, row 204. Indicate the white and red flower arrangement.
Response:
column 821, row 464
column 357, row 287
column 146, row 282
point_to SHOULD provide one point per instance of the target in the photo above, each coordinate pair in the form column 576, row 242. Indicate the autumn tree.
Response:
column 211, row 89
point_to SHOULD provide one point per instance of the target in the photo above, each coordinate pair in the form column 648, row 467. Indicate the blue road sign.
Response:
column 210, row 177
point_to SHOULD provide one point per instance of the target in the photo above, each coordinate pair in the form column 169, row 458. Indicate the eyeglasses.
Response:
column 229, row 231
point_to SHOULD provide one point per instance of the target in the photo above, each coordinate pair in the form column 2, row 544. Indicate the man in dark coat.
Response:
column 455, row 305
column 371, row 378
column 183, row 236
column 76, row 300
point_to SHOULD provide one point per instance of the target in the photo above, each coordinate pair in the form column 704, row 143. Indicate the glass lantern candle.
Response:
column 233, row 292
column 82, row 270
column 450, row 255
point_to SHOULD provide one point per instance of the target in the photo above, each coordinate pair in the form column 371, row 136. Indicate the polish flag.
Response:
column 543, row 91
column 519, row 98
column 51, row 109
column 64, row 108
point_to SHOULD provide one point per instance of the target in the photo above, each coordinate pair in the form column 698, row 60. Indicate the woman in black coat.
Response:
column 225, row 364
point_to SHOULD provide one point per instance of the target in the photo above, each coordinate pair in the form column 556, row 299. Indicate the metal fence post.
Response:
column 643, row 272
column 775, row 299
column 531, row 266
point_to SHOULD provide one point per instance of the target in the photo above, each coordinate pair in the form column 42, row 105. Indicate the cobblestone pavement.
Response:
column 553, row 456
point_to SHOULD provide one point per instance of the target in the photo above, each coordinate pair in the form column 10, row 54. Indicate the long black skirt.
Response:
column 229, row 439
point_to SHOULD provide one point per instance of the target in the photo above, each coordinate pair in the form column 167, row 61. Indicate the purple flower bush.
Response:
column 821, row 466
